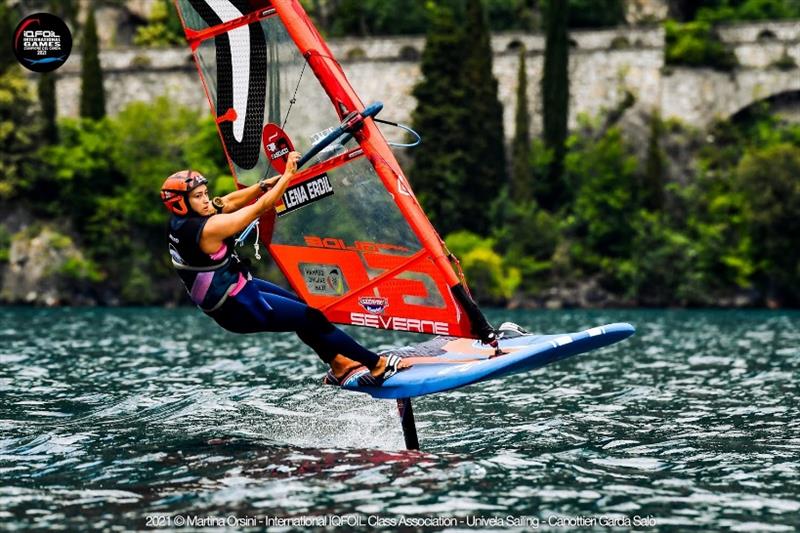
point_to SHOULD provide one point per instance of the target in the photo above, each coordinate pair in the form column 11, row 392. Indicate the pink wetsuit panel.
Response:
column 219, row 254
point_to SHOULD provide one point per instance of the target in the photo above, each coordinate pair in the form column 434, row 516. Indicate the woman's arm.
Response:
column 237, row 199
column 220, row 227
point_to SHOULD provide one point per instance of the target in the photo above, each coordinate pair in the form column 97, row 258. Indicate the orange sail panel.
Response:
column 349, row 234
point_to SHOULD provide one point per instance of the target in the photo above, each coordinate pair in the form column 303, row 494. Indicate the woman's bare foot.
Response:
column 341, row 366
column 380, row 368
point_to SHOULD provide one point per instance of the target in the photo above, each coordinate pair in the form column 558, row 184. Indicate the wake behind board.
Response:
column 447, row 363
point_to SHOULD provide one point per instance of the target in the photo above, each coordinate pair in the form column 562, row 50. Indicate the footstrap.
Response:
column 392, row 366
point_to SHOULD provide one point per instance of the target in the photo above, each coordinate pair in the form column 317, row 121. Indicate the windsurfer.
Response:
column 201, row 243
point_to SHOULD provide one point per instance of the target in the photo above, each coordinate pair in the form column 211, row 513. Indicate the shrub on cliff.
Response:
column 726, row 10
column 602, row 172
column 768, row 180
column 491, row 280
column 696, row 44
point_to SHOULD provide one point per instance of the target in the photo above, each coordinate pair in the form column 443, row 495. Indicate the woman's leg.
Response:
column 273, row 312
column 266, row 286
column 315, row 330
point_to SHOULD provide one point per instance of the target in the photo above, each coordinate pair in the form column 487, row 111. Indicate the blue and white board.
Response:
column 446, row 363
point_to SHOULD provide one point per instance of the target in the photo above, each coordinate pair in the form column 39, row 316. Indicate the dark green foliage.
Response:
column 553, row 192
column 47, row 101
column 81, row 169
column 734, row 226
column 505, row 15
column 8, row 21
column 767, row 179
column 741, row 10
column 93, row 97
column 595, row 13
column 440, row 167
column 378, row 17
column 528, row 239
column 5, row 245
column 163, row 28
column 401, row 17
column 484, row 268
column 651, row 190
column 521, row 175
column 105, row 175
column 696, row 44
column 20, row 134
column 733, row 10
column 684, row 10
column 484, row 136
column 462, row 168
column 603, row 172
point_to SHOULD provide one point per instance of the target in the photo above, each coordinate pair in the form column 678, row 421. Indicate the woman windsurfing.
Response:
column 201, row 243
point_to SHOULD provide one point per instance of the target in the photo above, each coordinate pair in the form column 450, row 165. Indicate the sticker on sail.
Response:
column 277, row 146
column 304, row 193
column 323, row 279
column 373, row 304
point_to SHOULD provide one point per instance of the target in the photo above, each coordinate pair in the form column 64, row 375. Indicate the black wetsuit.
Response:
column 223, row 288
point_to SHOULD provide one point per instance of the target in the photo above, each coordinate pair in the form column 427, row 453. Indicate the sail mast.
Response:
column 345, row 100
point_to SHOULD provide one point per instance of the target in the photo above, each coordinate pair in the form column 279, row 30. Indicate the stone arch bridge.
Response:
column 604, row 66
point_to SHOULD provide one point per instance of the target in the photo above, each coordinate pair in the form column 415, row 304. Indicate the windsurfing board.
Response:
column 446, row 363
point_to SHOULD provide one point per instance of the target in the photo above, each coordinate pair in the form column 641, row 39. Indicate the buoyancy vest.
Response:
column 209, row 278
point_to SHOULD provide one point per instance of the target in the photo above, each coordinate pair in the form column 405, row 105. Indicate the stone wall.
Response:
column 604, row 64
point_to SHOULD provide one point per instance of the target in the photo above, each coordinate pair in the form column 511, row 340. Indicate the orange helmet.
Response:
column 176, row 189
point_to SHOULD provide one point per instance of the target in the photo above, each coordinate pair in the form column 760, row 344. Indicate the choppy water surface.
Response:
column 127, row 419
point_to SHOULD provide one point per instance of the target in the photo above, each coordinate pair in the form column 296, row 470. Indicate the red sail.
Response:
column 349, row 234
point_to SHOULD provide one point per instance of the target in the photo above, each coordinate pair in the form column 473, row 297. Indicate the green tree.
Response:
column 439, row 170
column 604, row 171
column 163, row 27
column 81, row 169
column 20, row 134
column 735, row 10
column 651, row 188
column 462, row 168
column 484, row 138
column 378, row 17
column 767, row 179
column 595, row 13
column 521, row 174
column 512, row 15
column 93, row 97
column 8, row 20
column 552, row 192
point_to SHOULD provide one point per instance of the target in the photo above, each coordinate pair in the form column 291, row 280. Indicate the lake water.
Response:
column 122, row 419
